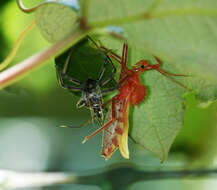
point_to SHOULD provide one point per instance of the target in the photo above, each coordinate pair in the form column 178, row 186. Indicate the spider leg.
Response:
column 69, row 78
column 110, row 89
column 109, row 77
column 62, row 74
column 107, row 58
column 102, row 70
column 66, row 86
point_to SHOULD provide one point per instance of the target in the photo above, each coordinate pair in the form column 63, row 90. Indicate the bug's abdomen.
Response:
column 112, row 133
column 98, row 113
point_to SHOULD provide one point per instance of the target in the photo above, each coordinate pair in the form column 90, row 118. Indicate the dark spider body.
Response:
column 92, row 98
column 91, row 89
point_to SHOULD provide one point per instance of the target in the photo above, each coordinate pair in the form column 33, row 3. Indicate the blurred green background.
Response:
column 32, row 110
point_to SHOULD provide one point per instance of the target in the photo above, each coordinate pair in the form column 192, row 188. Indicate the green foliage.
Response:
column 181, row 33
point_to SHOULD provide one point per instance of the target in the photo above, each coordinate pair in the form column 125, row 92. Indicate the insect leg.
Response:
column 122, row 60
column 106, row 125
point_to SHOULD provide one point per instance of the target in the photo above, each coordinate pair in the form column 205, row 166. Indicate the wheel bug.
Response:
column 91, row 89
column 131, row 91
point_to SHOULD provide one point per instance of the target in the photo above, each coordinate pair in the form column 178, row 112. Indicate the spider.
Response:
column 91, row 89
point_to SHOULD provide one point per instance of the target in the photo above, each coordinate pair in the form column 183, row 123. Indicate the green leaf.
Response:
column 157, row 120
column 56, row 20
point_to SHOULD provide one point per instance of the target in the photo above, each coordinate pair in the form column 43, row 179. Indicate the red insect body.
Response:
column 131, row 91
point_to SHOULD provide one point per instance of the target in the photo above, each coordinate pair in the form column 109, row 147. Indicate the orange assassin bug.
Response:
column 131, row 91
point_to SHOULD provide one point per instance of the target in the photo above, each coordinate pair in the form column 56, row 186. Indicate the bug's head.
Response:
column 142, row 66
